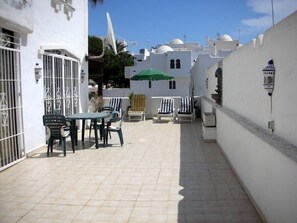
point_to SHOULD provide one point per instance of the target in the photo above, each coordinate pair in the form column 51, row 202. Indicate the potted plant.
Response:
column 95, row 102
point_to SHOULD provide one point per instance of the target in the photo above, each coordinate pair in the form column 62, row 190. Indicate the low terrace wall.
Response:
column 265, row 165
column 152, row 102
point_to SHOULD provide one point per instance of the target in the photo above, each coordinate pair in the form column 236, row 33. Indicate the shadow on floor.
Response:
column 211, row 192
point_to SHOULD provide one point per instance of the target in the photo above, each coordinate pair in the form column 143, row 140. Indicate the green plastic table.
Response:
column 94, row 117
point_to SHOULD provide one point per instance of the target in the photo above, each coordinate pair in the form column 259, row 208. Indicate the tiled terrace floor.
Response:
column 163, row 173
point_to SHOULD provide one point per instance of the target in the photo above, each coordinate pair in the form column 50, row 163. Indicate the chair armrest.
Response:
column 48, row 132
column 116, row 114
column 65, row 131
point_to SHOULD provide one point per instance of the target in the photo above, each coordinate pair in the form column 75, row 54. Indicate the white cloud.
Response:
column 281, row 8
column 260, row 6
column 258, row 23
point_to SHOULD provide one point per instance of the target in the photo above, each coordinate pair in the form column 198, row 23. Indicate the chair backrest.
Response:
column 167, row 105
column 115, row 104
column 186, row 105
column 54, row 123
column 118, row 121
column 138, row 102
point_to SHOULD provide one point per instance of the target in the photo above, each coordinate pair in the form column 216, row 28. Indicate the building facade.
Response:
column 186, row 62
column 42, row 54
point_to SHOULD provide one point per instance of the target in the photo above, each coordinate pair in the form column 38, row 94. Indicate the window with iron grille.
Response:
column 61, row 84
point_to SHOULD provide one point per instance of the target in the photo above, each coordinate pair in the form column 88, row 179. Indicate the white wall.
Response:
column 268, row 174
column 246, row 79
column 185, row 58
column 50, row 28
column 157, row 61
column 16, row 17
column 212, row 81
column 203, row 62
column 152, row 102
column 161, row 88
column 162, row 62
column 265, row 162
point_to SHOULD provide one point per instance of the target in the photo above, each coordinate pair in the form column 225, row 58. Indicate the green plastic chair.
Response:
column 112, row 128
column 56, row 125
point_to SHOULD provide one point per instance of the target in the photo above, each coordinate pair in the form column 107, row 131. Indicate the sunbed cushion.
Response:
column 138, row 103
column 166, row 106
column 186, row 106
column 115, row 103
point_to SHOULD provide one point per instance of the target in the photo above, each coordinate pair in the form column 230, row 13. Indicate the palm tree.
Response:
column 108, row 67
column 114, row 66
column 94, row 2
column 96, row 67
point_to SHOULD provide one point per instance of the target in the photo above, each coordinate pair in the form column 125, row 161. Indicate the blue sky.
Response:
column 148, row 23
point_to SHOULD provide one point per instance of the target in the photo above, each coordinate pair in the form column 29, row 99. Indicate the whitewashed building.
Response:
column 42, row 53
column 257, row 131
column 186, row 62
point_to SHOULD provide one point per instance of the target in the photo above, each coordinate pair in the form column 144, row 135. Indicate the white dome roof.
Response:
column 177, row 41
column 163, row 49
column 224, row 37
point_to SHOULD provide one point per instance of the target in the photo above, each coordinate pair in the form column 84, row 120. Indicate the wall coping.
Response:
column 275, row 141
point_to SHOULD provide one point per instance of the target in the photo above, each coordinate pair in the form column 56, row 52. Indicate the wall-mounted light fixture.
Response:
column 82, row 75
column 69, row 9
column 23, row 3
column 58, row 5
column 37, row 72
column 269, row 73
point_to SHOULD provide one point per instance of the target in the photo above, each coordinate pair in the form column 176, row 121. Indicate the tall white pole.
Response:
column 272, row 12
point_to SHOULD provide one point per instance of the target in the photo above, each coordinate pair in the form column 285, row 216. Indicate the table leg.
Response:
column 72, row 140
column 73, row 131
column 83, row 130
column 104, row 134
column 96, row 133
column 101, row 129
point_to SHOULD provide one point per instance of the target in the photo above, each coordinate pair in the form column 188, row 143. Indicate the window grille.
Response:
column 11, row 118
column 61, row 84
